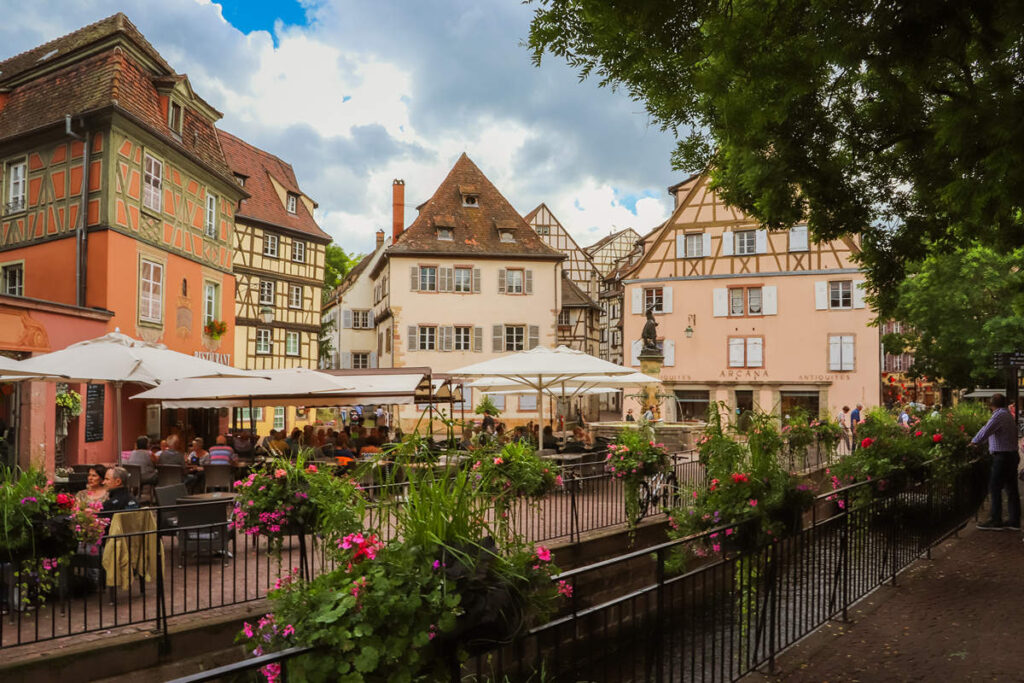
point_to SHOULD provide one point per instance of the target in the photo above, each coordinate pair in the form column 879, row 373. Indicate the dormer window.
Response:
column 174, row 117
column 293, row 202
column 507, row 235
column 470, row 196
column 240, row 179
column 445, row 234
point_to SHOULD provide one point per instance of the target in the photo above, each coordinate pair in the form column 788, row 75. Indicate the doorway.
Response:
column 744, row 409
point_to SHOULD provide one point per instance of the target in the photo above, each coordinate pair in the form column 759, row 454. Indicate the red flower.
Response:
column 65, row 501
column 918, row 433
column 739, row 478
column 892, row 380
column 936, row 438
column 866, row 442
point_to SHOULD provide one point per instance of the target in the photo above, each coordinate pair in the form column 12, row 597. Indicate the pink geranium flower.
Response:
column 543, row 554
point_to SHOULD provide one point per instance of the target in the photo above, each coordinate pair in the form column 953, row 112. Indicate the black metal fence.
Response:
column 732, row 611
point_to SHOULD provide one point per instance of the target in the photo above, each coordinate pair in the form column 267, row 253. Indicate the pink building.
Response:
column 753, row 318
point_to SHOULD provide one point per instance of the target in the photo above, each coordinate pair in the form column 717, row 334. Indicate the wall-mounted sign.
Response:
column 95, row 395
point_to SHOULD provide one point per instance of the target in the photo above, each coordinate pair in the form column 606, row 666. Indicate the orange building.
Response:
column 116, row 197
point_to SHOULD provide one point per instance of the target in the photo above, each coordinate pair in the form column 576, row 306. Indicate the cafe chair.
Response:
column 218, row 477
column 169, row 475
column 203, row 528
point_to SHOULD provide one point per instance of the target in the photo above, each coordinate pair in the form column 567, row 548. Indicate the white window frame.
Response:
column 745, row 242
column 298, row 251
column 656, row 296
column 243, row 414
column 295, row 296
column 12, row 278
column 745, row 306
column 291, row 343
column 17, row 186
column 211, row 296
column 515, row 337
column 211, row 215
column 694, row 244
column 264, row 341
column 463, row 338
column 843, row 289
column 152, row 182
column 360, row 360
column 463, row 287
column 268, row 240
column 292, row 203
column 361, row 319
column 268, row 292
column 279, row 417
column 746, row 344
column 428, row 274
column 151, row 291
column 510, row 285
column 175, row 126
column 526, row 401
column 446, row 234
column 426, row 338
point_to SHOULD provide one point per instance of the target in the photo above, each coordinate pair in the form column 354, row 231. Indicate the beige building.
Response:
column 279, row 270
column 349, row 312
column 750, row 317
column 468, row 280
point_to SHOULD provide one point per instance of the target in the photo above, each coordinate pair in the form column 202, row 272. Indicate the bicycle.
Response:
column 660, row 490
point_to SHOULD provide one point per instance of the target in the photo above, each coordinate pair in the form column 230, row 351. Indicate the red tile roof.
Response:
column 475, row 229
column 264, row 204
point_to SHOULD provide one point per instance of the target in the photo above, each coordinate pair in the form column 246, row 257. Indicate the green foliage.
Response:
column 798, row 432
column 337, row 263
column 960, row 306
column 633, row 457
column 897, row 121
column 486, row 407
column 70, row 401
column 514, row 471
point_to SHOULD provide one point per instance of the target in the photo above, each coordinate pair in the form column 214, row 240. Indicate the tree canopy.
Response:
column 900, row 121
column 960, row 308
column 337, row 263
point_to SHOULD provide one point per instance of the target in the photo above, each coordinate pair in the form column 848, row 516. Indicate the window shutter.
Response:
column 727, row 243
column 761, row 241
column 534, row 337
column 449, row 274
column 476, row 280
column 413, row 341
column 637, row 300
column 478, row 339
column 848, row 353
column 770, row 300
column 755, row 352
column 373, row 359
column 707, row 244
column 369, row 317
column 720, row 302
column 528, row 281
column 666, row 299
column 501, row 281
column 346, row 360
column 634, row 351
column 670, row 352
column 821, row 295
column 447, row 337
column 798, row 238
column 858, row 294
column 498, row 337
column 680, row 244
column 415, row 274
column 835, row 353
column 346, row 318
column 736, row 359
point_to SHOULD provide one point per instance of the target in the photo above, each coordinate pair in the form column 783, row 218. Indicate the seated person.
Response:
column 172, row 454
column 118, row 495
column 197, row 453
column 220, row 453
column 142, row 457
column 583, row 436
column 343, row 454
column 466, row 443
column 243, row 444
column 279, row 446
column 94, row 491
column 370, row 445
column 549, row 440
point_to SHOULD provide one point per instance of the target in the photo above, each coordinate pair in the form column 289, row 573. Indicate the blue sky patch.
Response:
column 629, row 200
column 260, row 15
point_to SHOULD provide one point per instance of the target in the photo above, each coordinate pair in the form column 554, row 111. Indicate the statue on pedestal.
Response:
column 650, row 333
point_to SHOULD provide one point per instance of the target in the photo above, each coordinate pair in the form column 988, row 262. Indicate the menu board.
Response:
column 94, row 398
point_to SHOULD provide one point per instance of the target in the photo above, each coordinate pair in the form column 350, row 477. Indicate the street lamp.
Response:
column 689, row 332
column 691, row 320
column 267, row 314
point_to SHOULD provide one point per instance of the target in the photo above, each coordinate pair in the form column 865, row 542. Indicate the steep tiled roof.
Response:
column 264, row 203
column 596, row 246
column 60, row 49
column 475, row 229
column 109, row 79
column 574, row 297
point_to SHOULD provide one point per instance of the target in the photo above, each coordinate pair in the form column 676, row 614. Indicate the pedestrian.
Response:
column 629, row 416
column 855, row 421
column 649, row 413
column 1001, row 432
column 843, row 418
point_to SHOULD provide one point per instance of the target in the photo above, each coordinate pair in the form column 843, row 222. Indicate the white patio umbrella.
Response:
column 269, row 388
column 11, row 370
column 541, row 367
column 118, row 358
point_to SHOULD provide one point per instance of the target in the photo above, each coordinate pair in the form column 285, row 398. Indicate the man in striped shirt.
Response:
column 220, row 454
column 1001, row 432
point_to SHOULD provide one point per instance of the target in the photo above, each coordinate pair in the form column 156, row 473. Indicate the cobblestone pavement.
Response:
column 955, row 617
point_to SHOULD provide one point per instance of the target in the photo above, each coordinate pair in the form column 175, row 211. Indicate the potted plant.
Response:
column 69, row 406
column 633, row 457
column 215, row 329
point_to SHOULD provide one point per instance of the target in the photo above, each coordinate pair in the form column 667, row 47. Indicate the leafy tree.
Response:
column 337, row 263
column 961, row 307
column 897, row 120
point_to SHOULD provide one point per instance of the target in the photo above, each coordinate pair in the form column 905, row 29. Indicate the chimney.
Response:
column 397, row 209
column 380, row 239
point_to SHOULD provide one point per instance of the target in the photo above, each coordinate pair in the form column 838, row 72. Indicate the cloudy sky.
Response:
column 354, row 93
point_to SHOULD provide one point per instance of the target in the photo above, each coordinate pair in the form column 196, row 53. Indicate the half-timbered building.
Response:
column 468, row 280
column 116, row 196
column 750, row 317
column 610, row 250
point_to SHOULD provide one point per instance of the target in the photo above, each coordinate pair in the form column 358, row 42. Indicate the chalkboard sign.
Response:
column 94, row 395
